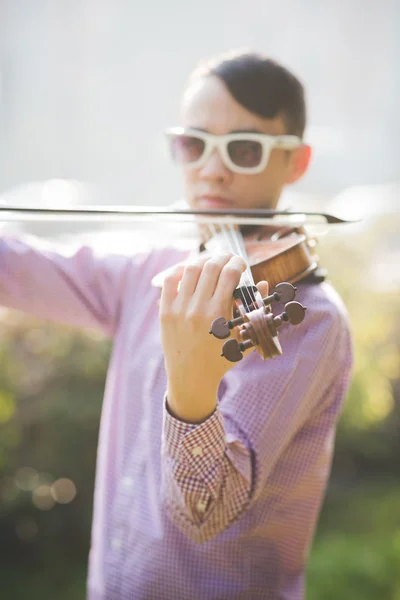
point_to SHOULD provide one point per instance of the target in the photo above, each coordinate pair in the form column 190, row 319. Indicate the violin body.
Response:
column 279, row 254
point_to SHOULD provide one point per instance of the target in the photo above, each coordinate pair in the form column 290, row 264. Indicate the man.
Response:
column 209, row 478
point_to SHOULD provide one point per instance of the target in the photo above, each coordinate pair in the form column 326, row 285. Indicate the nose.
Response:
column 214, row 168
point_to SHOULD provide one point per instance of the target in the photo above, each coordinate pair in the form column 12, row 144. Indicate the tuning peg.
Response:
column 233, row 350
column 283, row 292
column 271, row 298
column 294, row 312
column 220, row 328
column 286, row 292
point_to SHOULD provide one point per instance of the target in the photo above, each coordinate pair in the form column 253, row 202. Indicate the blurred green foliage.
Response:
column 356, row 552
column 51, row 387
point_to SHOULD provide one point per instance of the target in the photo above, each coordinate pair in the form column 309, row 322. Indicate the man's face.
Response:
column 207, row 105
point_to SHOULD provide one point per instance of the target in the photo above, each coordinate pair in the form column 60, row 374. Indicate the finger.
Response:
column 210, row 275
column 263, row 288
column 229, row 279
column 170, row 287
column 191, row 276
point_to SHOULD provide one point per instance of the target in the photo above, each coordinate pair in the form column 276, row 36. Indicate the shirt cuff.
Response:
column 197, row 445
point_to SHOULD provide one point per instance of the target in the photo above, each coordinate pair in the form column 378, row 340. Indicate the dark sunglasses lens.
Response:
column 186, row 148
column 245, row 153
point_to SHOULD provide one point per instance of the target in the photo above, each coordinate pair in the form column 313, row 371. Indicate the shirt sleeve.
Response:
column 214, row 471
column 79, row 288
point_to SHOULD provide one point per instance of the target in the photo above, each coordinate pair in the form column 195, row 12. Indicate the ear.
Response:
column 299, row 162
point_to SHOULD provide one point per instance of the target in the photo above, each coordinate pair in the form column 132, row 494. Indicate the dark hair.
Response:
column 261, row 85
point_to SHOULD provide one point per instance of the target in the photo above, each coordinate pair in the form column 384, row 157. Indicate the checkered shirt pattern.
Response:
column 222, row 510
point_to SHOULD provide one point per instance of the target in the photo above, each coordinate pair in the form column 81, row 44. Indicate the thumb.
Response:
column 263, row 288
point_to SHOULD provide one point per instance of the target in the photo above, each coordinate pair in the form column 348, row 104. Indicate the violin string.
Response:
column 238, row 239
column 233, row 242
column 228, row 246
column 238, row 242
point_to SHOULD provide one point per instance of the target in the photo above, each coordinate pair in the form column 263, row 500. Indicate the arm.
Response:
column 80, row 288
column 214, row 469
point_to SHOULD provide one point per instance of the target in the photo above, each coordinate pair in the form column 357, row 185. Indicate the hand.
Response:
column 193, row 295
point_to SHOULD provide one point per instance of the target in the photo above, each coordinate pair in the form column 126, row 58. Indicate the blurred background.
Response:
column 86, row 89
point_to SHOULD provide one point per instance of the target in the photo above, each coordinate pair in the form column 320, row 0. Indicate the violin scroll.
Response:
column 258, row 326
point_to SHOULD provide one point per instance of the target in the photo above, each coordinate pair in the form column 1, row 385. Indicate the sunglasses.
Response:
column 240, row 152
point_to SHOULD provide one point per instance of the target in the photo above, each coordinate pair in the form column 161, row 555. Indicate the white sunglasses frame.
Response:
column 211, row 141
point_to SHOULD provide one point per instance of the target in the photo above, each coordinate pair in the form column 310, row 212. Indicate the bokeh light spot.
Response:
column 42, row 498
column 26, row 479
column 63, row 490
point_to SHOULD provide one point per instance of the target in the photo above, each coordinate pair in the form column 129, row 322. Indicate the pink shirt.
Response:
column 221, row 510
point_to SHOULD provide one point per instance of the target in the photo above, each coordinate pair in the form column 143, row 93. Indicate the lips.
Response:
column 210, row 201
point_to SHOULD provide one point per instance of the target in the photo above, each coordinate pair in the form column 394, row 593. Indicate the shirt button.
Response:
column 201, row 507
column 116, row 543
column 127, row 482
column 197, row 451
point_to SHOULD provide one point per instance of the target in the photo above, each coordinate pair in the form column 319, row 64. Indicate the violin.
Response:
column 279, row 253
